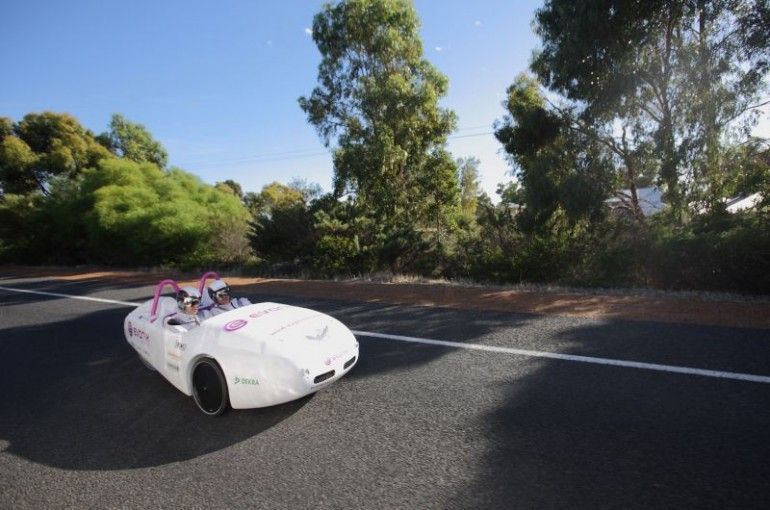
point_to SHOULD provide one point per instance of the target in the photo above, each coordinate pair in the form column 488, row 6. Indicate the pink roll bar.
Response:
column 158, row 289
column 205, row 277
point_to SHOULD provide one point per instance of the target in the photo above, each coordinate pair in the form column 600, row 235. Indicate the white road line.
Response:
column 69, row 296
column 579, row 359
column 491, row 348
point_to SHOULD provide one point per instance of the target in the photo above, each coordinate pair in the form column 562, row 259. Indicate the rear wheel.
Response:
column 209, row 387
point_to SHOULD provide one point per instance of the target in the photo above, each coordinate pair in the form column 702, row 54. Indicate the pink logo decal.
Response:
column 233, row 325
column 332, row 359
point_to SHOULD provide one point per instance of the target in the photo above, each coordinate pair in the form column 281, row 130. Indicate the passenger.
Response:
column 219, row 292
column 188, row 299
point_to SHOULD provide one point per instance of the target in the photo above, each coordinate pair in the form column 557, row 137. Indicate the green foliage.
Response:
column 486, row 247
column 377, row 101
column 717, row 251
column 125, row 213
column 277, row 196
column 19, row 224
column 558, row 167
column 281, row 228
column 440, row 206
column 677, row 74
column 336, row 255
column 650, row 91
column 17, row 163
column 67, row 199
column 653, row 91
column 348, row 239
column 468, row 169
column 143, row 215
column 309, row 190
column 747, row 168
column 6, row 127
column 132, row 141
column 230, row 186
column 43, row 146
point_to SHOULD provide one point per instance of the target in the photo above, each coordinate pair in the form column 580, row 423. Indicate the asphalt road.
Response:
column 84, row 424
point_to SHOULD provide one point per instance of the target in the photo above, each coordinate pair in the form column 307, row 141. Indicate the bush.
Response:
column 125, row 213
column 719, row 251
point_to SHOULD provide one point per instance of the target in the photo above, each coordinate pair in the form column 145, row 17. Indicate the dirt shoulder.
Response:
column 659, row 307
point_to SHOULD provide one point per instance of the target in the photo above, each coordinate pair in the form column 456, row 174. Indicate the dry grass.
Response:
column 396, row 279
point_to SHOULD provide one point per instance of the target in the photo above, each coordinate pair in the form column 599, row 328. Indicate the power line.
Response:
column 264, row 159
column 470, row 136
column 311, row 153
column 307, row 153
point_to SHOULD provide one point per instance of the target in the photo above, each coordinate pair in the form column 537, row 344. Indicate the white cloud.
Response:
column 477, row 23
column 439, row 49
column 308, row 31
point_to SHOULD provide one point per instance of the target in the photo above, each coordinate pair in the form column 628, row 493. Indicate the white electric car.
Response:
column 258, row 355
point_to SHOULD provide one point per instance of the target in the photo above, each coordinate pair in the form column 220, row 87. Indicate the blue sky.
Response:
column 217, row 82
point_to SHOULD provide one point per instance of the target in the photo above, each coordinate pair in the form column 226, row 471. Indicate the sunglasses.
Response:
column 189, row 301
column 222, row 293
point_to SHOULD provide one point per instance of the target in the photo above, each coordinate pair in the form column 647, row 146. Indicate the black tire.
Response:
column 209, row 387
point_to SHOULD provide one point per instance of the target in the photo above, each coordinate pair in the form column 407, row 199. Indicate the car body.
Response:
column 255, row 356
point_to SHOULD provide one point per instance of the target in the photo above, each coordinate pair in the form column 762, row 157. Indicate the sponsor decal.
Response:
column 235, row 325
column 133, row 331
column 287, row 326
column 176, row 351
column 257, row 315
column 328, row 361
column 319, row 335
column 246, row 380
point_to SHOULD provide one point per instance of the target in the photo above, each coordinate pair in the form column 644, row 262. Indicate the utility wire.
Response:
column 306, row 153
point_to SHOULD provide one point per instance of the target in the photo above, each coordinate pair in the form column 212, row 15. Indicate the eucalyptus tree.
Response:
column 469, row 185
column 230, row 186
column 281, row 224
column 42, row 146
column 558, row 166
column 677, row 74
column 377, row 106
column 133, row 141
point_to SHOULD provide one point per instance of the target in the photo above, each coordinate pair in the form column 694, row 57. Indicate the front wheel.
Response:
column 209, row 387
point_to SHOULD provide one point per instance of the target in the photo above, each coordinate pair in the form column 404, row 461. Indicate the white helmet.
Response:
column 187, row 296
column 218, row 288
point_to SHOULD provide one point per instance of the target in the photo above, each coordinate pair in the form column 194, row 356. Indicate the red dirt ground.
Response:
column 664, row 308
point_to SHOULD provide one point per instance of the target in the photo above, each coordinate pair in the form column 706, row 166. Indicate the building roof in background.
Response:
column 650, row 199
column 741, row 203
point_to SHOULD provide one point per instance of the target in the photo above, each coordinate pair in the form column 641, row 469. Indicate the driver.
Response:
column 219, row 292
column 188, row 299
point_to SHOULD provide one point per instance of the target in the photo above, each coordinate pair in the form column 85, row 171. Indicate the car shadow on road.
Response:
column 76, row 396
column 578, row 435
